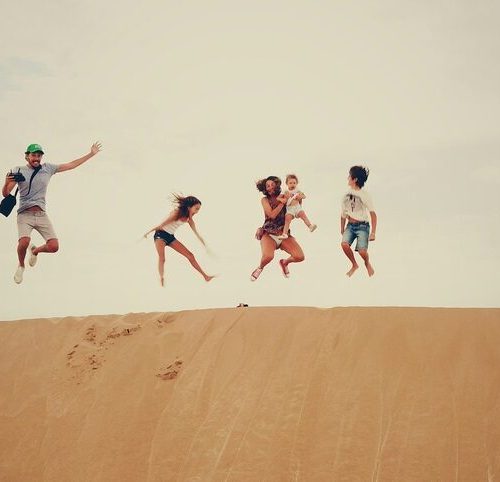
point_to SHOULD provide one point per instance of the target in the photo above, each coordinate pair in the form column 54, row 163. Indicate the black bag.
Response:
column 7, row 204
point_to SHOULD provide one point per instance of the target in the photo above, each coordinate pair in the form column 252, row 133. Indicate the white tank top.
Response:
column 171, row 227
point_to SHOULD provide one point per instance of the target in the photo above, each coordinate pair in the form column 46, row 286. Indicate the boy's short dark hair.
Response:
column 360, row 174
column 291, row 176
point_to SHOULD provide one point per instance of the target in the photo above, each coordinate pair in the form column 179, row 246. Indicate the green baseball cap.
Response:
column 34, row 148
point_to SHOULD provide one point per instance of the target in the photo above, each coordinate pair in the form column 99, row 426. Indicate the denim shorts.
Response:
column 359, row 231
column 164, row 236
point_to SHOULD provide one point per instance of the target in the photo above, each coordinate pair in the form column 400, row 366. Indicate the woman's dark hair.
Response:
column 261, row 185
column 360, row 174
column 184, row 203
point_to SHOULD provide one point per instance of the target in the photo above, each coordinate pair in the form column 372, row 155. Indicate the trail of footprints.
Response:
column 88, row 355
column 171, row 371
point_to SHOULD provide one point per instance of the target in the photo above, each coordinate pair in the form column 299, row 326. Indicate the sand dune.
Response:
column 253, row 394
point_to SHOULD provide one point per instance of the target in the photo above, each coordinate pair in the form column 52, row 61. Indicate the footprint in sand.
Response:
column 171, row 371
column 88, row 355
column 163, row 320
column 90, row 334
column 94, row 362
column 114, row 333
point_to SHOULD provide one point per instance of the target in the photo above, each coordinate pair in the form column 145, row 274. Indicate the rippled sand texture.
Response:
column 253, row 394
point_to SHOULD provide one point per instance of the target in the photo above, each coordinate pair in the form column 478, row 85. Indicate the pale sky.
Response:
column 205, row 98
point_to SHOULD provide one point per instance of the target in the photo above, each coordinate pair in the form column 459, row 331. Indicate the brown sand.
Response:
column 253, row 394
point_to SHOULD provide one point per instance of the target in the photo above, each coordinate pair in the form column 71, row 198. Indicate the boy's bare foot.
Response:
column 370, row 269
column 352, row 270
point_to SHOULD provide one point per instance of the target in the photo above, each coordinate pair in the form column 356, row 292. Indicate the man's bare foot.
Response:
column 352, row 270
column 162, row 282
column 370, row 269
column 209, row 278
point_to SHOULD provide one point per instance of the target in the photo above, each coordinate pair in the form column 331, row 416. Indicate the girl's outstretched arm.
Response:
column 171, row 217
column 193, row 227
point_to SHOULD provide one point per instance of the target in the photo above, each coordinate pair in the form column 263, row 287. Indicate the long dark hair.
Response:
column 183, row 203
column 261, row 185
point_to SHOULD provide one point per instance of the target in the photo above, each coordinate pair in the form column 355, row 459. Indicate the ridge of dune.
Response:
column 259, row 393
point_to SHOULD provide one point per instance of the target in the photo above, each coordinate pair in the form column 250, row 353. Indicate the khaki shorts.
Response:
column 37, row 220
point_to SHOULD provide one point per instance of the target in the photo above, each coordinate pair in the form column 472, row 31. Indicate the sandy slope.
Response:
column 244, row 394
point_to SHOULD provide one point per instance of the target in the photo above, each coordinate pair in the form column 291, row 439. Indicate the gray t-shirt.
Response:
column 36, row 196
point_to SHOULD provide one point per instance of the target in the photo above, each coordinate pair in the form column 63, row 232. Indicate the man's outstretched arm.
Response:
column 96, row 147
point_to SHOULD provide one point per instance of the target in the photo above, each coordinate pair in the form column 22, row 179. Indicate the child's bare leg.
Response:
column 364, row 254
column 180, row 248
column 160, row 248
column 302, row 215
column 286, row 227
column 348, row 252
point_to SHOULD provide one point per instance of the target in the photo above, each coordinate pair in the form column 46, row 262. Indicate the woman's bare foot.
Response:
column 370, row 269
column 284, row 268
column 352, row 270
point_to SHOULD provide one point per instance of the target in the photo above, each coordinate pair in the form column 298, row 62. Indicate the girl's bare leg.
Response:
column 348, row 252
column 364, row 254
column 160, row 248
column 180, row 248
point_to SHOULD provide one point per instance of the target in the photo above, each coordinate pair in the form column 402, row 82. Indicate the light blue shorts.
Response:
column 359, row 231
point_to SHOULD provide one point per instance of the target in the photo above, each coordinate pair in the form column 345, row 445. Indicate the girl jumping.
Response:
column 185, row 209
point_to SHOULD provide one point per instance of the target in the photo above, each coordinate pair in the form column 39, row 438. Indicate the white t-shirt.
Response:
column 293, row 196
column 172, row 227
column 357, row 204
